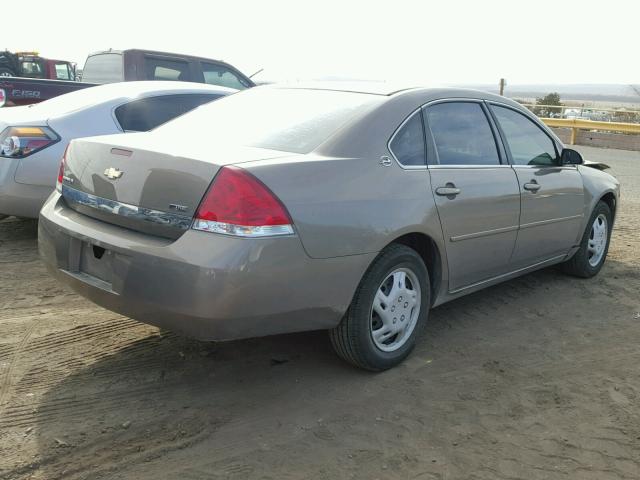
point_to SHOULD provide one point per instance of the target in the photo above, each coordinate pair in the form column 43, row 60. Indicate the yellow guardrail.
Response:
column 576, row 124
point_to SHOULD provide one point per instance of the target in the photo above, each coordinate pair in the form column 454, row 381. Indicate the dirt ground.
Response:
column 537, row 378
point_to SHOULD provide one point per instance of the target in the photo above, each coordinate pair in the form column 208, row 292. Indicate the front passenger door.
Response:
column 552, row 194
column 220, row 75
column 476, row 195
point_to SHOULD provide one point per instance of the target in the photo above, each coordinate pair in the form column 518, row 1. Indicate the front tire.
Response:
column 388, row 310
column 594, row 246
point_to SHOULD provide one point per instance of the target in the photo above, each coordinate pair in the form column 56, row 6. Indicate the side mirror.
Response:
column 571, row 157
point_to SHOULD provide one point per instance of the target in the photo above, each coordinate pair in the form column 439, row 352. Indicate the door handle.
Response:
column 449, row 191
column 532, row 186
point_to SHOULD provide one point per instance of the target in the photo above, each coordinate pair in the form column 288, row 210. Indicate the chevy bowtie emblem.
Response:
column 112, row 173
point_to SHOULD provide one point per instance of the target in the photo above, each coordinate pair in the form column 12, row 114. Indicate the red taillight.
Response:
column 237, row 203
column 61, row 170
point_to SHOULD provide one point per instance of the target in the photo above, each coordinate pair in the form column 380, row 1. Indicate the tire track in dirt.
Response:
column 93, row 343
column 84, row 333
column 5, row 387
column 98, row 344
column 64, row 409
column 159, row 444
column 50, row 370
column 5, row 351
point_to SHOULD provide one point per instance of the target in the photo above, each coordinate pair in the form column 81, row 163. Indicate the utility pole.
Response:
column 503, row 83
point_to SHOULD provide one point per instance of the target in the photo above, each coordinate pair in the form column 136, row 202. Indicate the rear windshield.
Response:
column 290, row 120
column 103, row 68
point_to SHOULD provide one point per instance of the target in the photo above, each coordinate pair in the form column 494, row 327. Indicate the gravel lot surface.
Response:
column 536, row 378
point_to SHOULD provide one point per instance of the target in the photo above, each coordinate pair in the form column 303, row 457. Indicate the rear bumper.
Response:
column 203, row 285
column 20, row 199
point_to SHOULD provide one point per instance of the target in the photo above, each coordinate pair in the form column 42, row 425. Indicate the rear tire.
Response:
column 594, row 246
column 378, row 337
column 5, row 72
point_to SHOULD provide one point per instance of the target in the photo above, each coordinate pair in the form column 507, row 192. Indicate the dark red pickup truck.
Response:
column 32, row 65
column 123, row 66
column 16, row 91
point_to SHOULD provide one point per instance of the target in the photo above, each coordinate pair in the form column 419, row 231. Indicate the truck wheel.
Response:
column 388, row 310
column 590, row 257
column 5, row 72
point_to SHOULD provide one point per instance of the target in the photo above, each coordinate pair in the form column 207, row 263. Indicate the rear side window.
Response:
column 462, row 134
column 407, row 144
column 222, row 76
column 32, row 69
column 163, row 69
column 103, row 68
column 147, row 113
column 528, row 144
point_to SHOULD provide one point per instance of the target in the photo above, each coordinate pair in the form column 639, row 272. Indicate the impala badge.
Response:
column 112, row 173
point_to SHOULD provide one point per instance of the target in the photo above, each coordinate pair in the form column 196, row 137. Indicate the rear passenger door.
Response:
column 147, row 113
column 475, row 191
column 552, row 193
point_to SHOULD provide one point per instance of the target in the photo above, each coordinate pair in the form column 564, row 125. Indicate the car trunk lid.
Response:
column 152, row 186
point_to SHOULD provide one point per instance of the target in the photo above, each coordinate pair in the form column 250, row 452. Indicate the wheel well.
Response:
column 428, row 250
column 610, row 200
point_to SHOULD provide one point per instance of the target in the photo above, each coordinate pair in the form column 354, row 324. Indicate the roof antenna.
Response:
column 253, row 75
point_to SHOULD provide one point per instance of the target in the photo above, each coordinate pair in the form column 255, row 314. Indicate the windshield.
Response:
column 290, row 120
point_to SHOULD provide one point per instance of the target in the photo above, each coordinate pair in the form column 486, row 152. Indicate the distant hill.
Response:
column 597, row 92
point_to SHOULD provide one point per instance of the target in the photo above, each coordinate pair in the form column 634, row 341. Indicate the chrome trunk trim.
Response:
column 131, row 212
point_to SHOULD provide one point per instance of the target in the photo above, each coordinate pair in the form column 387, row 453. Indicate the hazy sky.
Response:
column 525, row 41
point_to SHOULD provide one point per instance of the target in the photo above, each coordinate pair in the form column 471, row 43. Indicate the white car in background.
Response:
column 33, row 138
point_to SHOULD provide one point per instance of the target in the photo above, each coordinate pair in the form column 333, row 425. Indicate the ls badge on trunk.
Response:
column 112, row 173
column 180, row 208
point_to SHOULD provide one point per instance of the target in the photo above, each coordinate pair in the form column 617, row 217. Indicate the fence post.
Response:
column 574, row 134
